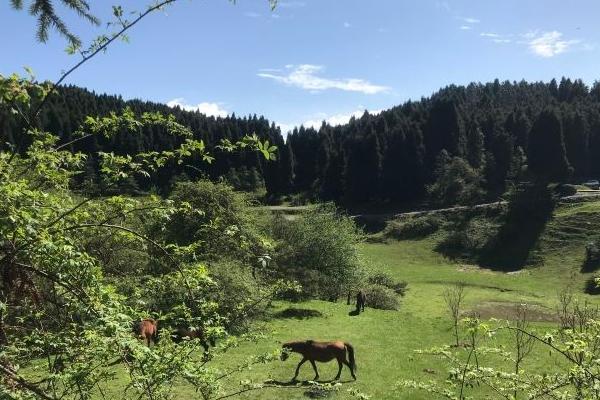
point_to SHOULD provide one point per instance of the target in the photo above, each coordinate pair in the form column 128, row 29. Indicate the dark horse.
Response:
column 147, row 330
column 361, row 299
column 322, row 352
column 188, row 334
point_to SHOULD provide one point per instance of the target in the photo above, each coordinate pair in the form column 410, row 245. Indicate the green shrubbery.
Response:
column 381, row 297
column 319, row 251
column 216, row 221
column 413, row 228
column 386, row 280
column 566, row 190
column 468, row 238
column 592, row 256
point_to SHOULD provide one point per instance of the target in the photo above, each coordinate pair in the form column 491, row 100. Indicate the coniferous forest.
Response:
column 483, row 134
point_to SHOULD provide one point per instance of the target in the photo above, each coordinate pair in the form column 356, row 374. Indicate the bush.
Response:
column 318, row 250
column 214, row 219
column 456, row 182
column 413, row 228
column 592, row 256
column 566, row 190
column 469, row 239
column 381, row 297
column 591, row 285
column 383, row 279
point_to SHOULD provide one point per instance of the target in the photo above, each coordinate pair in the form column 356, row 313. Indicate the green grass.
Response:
column 385, row 340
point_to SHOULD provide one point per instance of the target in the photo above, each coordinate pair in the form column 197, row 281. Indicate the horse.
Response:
column 180, row 334
column 147, row 330
column 361, row 299
column 323, row 352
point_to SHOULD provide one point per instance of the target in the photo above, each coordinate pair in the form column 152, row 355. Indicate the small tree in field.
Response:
column 454, row 296
column 523, row 341
column 319, row 251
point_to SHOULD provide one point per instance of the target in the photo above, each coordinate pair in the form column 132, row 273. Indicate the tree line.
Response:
column 487, row 134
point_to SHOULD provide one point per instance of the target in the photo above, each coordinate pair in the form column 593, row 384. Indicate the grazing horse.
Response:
column 188, row 334
column 147, row 330
column 322, row 352
column 361, row 299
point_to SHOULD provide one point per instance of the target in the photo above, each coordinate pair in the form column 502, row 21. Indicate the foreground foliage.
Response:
column 62, row 323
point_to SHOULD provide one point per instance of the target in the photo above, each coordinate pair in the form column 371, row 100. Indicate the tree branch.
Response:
column 98, row 50
column 13, row 376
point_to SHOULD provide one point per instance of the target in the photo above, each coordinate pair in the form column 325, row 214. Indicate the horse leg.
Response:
column 315, row 368
column 298, row 368
column 339, row 369
column 350, row 368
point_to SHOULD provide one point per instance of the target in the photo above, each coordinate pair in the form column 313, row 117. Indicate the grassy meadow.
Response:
column 385, row 340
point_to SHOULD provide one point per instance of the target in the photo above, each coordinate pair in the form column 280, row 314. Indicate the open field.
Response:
column 385, row 340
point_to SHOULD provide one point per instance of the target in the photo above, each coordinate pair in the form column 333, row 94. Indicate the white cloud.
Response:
column 531, row 34
column 305, row 77
column 471, row 20
column 496, row 38
column 270, row 70
column 466, row 28
column 347, row 24
column 333, row 120
column 209, row 109
column 548, row 44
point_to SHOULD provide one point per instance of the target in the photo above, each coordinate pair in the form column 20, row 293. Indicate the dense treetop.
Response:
column 497, row 128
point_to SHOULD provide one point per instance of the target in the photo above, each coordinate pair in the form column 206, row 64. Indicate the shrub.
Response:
column 318, row 250
column 592, row 256
column 456, row 182
column 591, row 285
column 384, row 279
column 215, row 220
column 469, row 239
column 413, row 228
column 381, row 297
column 566, row 190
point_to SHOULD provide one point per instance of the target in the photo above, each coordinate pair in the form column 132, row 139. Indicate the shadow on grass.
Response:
column 298, row 313
column 530, row 209
column 354, row 313
column 590, row 266
column 512, row 246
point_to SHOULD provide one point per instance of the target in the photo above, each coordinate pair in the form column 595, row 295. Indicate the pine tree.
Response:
column 576, row 133
column 546, row 154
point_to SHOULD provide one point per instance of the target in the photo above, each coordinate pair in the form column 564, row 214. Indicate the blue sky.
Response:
column 310, row 60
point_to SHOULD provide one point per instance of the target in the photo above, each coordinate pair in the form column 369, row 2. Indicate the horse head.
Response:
column 286, row 348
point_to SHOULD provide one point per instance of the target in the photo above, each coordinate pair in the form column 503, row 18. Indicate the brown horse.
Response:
column 322, row 352
column 188, row 334
column 361, row 299
column 147, row 330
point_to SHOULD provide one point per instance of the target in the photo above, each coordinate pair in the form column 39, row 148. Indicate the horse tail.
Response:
column 351, row 356
column 155, row 333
